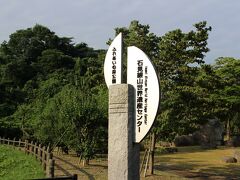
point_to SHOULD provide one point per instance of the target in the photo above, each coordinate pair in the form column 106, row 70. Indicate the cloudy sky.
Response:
column 93, row 21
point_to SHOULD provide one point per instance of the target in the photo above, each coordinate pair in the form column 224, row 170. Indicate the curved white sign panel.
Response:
column 113, row 62
column 142, row 75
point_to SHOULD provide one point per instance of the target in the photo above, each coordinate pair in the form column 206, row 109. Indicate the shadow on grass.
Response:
column 161, row 159
column 74, row 168
column 195, row 171
column 59, row 167
column 98, row 165
column 230, row 171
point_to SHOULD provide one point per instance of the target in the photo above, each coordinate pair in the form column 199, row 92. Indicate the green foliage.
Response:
column 228, row 96
column 74, row 120
column 54, row 92
column 173, row 55
column 140, row 36
column 15, row 164
column 52, row 59
column 43, row 94
column 181, row 95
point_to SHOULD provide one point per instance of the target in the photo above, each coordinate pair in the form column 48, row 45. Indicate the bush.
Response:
column 166, row 150
column 183, row 140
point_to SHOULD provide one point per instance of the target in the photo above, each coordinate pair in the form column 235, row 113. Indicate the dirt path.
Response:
column 66, row 165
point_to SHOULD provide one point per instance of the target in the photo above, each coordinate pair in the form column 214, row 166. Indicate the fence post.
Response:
column 19, row 144
column 35, row 150
column 44, row 157
column 48, row 155
column 26, row 146
column 50, row 165
column 14, row 139
column 47, row 149
column 40, row 152
column 0, row 140
column 75, row 177
column 31, row 148
column 8, row 141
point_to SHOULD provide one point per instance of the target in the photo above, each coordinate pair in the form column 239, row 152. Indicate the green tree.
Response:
column 48, row 70
column 28, row 44
column 178, row 52
column 74, row 120
column 228, row 96
column 20, row 64
column 173, row 55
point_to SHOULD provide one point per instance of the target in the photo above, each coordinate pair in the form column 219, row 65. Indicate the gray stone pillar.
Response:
column 123, row 154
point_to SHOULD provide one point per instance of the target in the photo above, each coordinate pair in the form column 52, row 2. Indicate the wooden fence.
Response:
column 73, row 177
column 41, row 153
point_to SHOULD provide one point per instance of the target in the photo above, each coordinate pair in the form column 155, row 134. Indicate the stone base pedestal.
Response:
column 123, row 154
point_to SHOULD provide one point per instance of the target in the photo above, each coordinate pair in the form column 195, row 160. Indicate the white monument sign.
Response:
column 142, row 75
column 113, row 62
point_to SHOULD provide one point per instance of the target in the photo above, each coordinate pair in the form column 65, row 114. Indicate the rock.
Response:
column 234, row 141
column 228, row 159
column 236, row 155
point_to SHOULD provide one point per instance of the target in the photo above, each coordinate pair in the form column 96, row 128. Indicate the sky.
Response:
column 94, row 21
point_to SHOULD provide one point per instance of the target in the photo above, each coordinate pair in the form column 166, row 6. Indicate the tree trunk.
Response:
column 152, row 150
column 85, row 162
column 228, row 132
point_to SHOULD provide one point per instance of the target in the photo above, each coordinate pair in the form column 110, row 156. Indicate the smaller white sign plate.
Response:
column 113, row 62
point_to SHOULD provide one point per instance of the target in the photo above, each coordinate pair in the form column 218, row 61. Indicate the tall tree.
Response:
column 178, row 52
column 228, row 96
column 173, row 55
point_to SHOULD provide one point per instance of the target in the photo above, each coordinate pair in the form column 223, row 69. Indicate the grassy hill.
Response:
column 14, row 164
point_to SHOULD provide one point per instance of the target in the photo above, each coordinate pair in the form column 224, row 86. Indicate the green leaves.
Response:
column 54, row 91
column 53, row 59
column 42, row 89
column 173, row 55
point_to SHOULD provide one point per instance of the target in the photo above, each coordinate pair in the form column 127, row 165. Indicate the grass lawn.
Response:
column 15, row 165
column 196, row 163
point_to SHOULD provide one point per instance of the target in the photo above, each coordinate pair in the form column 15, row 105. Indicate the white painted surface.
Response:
column 147, row 90
column 113, row 62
